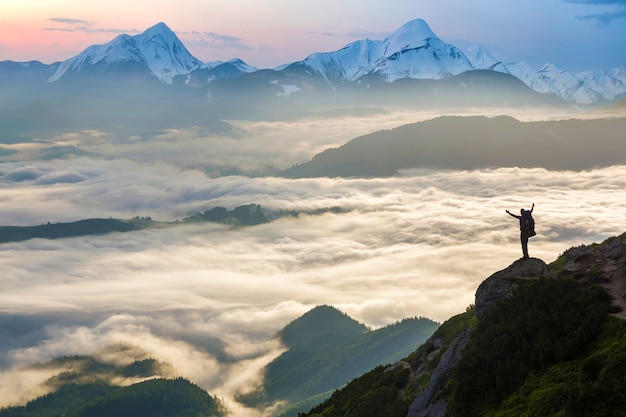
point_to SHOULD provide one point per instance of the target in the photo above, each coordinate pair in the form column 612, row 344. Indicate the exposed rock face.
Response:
column 598, row 264
column 500, row 285
column 603, row 264
column 494, row 289
column 423, row 405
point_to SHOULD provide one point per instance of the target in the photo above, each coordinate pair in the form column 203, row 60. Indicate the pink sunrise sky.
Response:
column 575, row 34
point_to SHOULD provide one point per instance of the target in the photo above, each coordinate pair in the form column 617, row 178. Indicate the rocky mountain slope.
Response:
column 540, row 340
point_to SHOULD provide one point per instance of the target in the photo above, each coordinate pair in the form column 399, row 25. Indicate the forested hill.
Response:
column 325, row 350
column 247, row 215
column 476, row 142
column 72, row 229
column 154, row 398
column 540, row 340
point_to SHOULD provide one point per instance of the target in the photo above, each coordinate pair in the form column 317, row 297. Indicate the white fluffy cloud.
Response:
column 210, row 300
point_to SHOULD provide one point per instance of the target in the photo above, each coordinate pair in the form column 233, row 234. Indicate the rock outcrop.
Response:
column 601, row 264
column 494, row 289
column 500, row 285
column 425, row 404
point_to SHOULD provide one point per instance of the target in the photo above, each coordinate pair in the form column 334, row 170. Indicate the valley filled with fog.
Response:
column 208, row 299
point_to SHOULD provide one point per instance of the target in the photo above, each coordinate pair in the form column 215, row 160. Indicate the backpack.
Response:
column 527, row 223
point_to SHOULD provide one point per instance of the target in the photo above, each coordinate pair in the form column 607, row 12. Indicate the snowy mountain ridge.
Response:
column 584, row 88
column 158, row 48
column 412, row 51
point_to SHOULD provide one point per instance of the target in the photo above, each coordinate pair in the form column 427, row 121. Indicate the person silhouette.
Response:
column 525, row 232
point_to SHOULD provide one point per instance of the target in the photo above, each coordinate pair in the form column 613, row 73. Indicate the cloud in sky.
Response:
column 70, row 21
column 599, row 2
column 603, row 18
column 79, row 25
column 211, row 42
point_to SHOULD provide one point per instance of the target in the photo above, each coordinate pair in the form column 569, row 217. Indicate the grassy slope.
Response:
column 326, row 350
column 552, row 350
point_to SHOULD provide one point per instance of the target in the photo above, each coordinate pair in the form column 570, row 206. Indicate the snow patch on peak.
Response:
column 619, row 73
column 568, row 86
column 416, row 29
column 158, row 48
column 604, row 83
column 288, row 89
column 411, row 35
column 159, row 29
column 412, row 51
column 480, row 58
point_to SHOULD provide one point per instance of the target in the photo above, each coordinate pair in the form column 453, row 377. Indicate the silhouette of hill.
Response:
column 72, row 229
column 155, row 398
column 453, row 142
column 323, row 325
column 246, row 215
column 326, row 349
column 86, row 389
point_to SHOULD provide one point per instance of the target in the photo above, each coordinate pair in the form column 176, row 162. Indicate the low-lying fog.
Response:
column 208, row 299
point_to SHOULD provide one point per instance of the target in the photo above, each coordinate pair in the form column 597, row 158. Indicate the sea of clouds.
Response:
column 208, row 299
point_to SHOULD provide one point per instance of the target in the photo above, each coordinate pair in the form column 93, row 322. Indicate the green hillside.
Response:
column 86, row 389
column 326, row 350
column 555, row 347
column 151, row 398
column 321, row 326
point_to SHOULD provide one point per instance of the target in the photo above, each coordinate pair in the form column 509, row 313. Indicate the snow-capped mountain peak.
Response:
column 412, row 51
column 604, row 83
column 415, row 51
column 569, row 86
column 481, row 58
column 410, row 35
column 158, row 48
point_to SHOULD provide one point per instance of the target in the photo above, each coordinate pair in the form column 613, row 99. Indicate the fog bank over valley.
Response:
column 208, row 299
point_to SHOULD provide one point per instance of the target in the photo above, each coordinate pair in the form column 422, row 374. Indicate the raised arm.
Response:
column 532, row 208
column 511, row 214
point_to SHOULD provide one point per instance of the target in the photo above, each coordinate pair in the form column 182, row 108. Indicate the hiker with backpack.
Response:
column 526, row 227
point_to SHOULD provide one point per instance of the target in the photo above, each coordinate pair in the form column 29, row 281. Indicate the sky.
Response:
column 574, row 34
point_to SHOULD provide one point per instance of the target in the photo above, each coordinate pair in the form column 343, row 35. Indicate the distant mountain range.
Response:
column 412, row 52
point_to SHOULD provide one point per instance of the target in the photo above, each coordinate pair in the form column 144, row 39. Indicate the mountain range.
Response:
column 413, row 51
